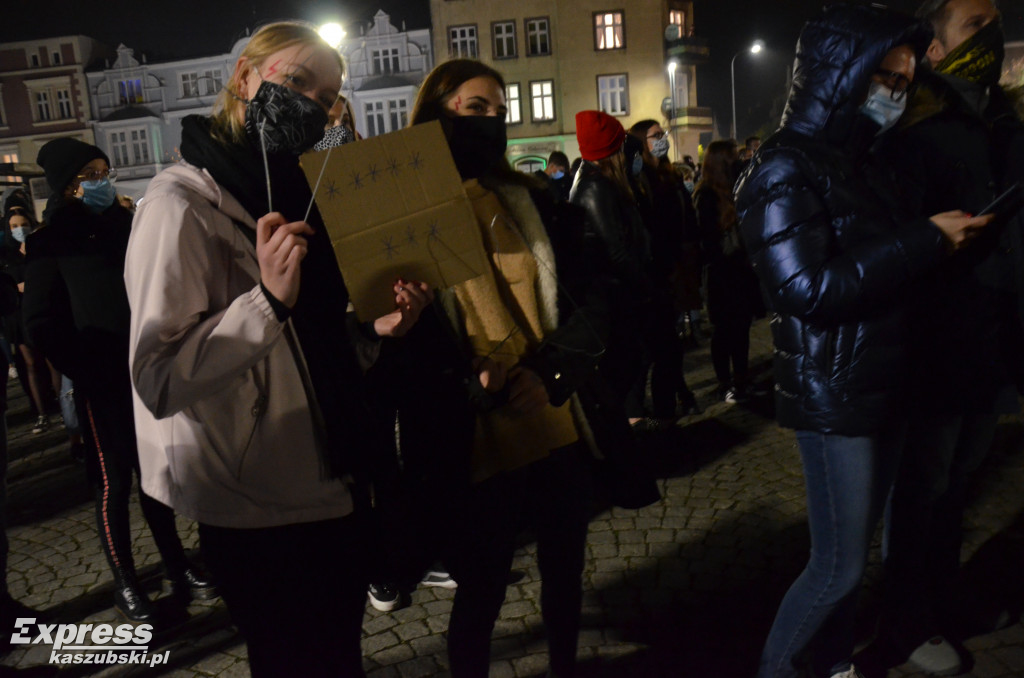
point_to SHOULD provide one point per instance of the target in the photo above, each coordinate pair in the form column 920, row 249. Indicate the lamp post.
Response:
column 672, row 66
column 754, row 48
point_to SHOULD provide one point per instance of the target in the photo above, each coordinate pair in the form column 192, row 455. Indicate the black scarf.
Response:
column 319, row 314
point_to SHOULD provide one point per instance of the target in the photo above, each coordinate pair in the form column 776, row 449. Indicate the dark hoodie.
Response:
column 828, row 253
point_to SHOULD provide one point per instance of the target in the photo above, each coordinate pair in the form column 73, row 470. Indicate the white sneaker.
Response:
column 937, row 657
column 438, row 578
column 848, row 673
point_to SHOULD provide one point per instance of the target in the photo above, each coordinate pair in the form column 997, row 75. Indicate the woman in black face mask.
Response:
column 250, row 403
column 491, row 439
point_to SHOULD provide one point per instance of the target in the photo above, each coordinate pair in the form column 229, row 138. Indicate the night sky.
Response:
column 170, row 29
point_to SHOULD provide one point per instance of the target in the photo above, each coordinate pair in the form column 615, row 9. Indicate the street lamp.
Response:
column 755, row 48
column 332, row 34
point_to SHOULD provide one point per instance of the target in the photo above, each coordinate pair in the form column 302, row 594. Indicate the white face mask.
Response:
column 19, row 233
column 880, row 107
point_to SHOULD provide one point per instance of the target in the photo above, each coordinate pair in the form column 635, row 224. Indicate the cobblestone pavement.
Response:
column 686, row 587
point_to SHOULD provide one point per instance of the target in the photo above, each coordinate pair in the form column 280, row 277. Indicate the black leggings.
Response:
column 730, row 343
column 111, row 459
column 551, row 498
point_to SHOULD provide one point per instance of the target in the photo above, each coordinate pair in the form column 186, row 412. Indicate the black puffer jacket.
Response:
column 827, row 250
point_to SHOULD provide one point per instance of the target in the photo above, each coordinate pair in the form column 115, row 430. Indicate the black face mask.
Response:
column 477, row 143
column 287, row 121
column 979, row 58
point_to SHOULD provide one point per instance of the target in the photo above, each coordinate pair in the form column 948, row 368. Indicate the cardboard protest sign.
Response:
column 394, row 207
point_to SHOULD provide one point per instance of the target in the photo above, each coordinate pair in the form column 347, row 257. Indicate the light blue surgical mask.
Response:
column 558, row 175
column 880, row 107
column 688, row 185
column 98, row 195
column 20, row 233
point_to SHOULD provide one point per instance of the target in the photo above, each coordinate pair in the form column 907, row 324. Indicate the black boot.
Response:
column 131, row 602
column 192, row 583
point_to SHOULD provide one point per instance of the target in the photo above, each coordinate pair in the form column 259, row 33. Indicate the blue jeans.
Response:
column 848, row 480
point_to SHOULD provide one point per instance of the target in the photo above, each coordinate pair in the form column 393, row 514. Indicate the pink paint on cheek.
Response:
column 458, row 104
column 273, row 67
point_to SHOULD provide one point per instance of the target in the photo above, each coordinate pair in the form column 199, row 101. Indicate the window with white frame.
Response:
column 43, row 110
column 538, row 36
column 119, row 148
column 608, row 30
column 130, row 147
column 542, row 100
column 398, row 114
column 385, row 61
column 64, row 108
column 375, row 118
column 212, row 81
column 462, row 41
column 504, row 34
column 613, row 94
column 189, row 85
column 130, row 91
column 514, row 102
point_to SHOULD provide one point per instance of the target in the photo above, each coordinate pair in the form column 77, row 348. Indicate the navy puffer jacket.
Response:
column 829, row 254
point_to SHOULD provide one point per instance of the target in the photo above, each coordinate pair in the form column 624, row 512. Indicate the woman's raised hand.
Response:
column 280, row 248
column 411, row 297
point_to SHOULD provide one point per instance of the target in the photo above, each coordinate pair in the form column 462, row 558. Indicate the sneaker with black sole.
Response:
column 383, row 597
column 439, row 579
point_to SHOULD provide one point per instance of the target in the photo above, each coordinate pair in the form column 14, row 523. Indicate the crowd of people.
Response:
column 210, row 348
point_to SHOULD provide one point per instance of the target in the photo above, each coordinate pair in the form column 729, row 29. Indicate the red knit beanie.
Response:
column 599, row 134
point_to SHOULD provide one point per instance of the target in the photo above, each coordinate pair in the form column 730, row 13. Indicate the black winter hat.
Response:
column 62, row 159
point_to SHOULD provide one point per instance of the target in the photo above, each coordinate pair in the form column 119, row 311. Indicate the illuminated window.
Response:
column 542, row 100
column 514, row 101
column 613, row 94
column 608, row 31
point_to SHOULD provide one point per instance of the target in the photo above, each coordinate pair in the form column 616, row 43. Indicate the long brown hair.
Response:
column 718, row 175
column 271, row 38
column 440, row 84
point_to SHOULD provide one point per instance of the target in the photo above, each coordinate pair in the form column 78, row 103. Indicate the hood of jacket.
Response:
column 836, row 56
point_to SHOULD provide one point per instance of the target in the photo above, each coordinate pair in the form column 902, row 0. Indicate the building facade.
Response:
column 43, row 95
column 634, row 59
column 385, row 66
column 139, row 106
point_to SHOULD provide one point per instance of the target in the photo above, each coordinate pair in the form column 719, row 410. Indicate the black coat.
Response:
column 75, row 305
column 732, row 288
column 830, row 257
column 965, row 319
column 614, row 221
